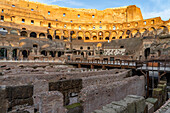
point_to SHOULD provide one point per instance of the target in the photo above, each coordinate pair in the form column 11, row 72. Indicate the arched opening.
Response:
column 35, row 46
column 128, row 32
column 65, row 38
column 89, row 54
column 113, row 37
column 82, row 54
column 52, row 54
column 3, row 31
column 44, row 53
column 80, row 38
column 14, row 54
column 87, row 38
column 3, row 53
column 24, row 34
column 152, row 31
column 127, row 37
column 14, row 32
column 107, row 38
column 25, row 54
column 33, row 34
column 41, row 35
column 162, row 30
column 147, row 52
column 49, row 37
column 59, row 54
column 159, row 53
column 94, row 37
column 57, row 37
column 81, row 48
column 120, row 37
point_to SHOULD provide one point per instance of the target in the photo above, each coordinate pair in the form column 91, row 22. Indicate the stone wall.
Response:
column 50, row 102
column 106, row 79
column 14, row 96
column 94, row 97
column 66, row 87
column 30, row 78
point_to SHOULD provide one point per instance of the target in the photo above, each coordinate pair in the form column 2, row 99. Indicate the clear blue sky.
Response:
column 149, row 8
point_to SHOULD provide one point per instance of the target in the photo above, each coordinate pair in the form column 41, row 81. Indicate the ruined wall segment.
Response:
column 28, row 9
column 94, row 97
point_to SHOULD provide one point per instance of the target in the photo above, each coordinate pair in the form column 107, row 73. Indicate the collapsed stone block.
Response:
column 153, row 101
column 50, row 102
column 150, row 107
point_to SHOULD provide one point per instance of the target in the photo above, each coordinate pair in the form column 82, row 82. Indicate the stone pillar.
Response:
column 103, row 67
column 79, row 65
column 92, row 66
column 9, row 54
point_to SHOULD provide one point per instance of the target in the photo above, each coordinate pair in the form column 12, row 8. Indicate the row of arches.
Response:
column 93, row 35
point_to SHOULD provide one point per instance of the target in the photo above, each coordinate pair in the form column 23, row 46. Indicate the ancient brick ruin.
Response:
column 66, row 60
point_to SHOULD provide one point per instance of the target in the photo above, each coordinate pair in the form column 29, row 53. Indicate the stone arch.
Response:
column 44, row 53
column 94, row 33
column 52, row 53
column 57, row 37
column 162, row 30
column 3, row 31
column 25, row 54
column 59, row 54
column 99, row 45
column 35, row 45
column 94, row 38
column 24, row 34
column 80, row 35
column 41, row 35
column 87, row 35
column 58, row 34
column 128, row 32
column 120, row 34
column 152, row 31
column 113, row 35
column 87, row 38
column 82, row 53
column 14, row 32
column 136, row 33
column 33, row 34
column 144, row 32
column 107, row 35
column 3, row 53
column 14, row 54
column 100, row 34
column 147, row 53
column 49, row 37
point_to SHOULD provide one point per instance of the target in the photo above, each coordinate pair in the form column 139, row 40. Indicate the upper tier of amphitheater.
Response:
column 42, row 11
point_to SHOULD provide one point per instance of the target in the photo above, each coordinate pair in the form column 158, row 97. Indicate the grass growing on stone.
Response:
column 73, row 105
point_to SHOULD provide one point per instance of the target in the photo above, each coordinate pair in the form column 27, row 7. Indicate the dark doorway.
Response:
column 59, row 54
column 57, row 37
column 52, row 54
column 82, row 54
column 147, row 53
column 14, row 54
column 159, row 53
column 107, row 38
column 33, row 34
column 80, row 38
column 25, row 54
column 112, row 58
column 24, row 34
column 49, row 37
column 44, row 53
column 42, row 35
column 3, row 53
